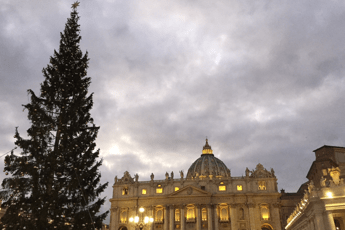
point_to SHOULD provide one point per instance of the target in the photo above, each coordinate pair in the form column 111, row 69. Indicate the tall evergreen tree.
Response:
column 54, row 183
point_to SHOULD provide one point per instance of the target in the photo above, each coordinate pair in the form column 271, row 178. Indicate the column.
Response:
column 172, row 221
column 276, row 215
column 166, row 221
column 113, row 219
column 233, row 218
column 311, row 224
column 152, row 215
column 318, row 222
column 329, row 223
column 216, row 218
column 183, row 218
column 252, row 215
column 198, row 217
column 209, row 217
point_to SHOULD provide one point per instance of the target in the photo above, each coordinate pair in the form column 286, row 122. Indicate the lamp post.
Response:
column 141, row 221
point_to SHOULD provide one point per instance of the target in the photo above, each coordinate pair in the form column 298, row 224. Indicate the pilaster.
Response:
column 216, row 217
column 198, row 217
column 251, row 208
column 171, row 220
column 183, row 219
column 319, row 225
column 209, row 217
column 166, row 221
column 233, row 218
column 329, row 223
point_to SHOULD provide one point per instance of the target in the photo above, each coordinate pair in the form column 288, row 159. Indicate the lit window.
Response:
column 125, row 191
column 262, row 185
column 224, row 214
column 265, row 213
column 177, row 215
column 159, row 189
column 177, row 188
column 123, row 216
column 143, row 191
column 190, row 214
column 204, row 214
column 159, row 215
column 222, row 188
column 239, row 188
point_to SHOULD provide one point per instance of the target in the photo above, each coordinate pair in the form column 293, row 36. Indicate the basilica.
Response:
column 207, row 197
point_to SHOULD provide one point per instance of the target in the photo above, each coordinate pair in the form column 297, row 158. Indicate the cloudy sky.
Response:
column 263, row 80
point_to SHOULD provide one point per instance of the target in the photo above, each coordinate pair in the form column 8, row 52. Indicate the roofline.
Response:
column 329, row 146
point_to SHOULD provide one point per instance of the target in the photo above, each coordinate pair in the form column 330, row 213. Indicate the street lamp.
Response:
column 142, row 221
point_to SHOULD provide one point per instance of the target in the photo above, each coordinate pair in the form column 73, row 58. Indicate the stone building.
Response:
column 208, row 197
column 323, row 203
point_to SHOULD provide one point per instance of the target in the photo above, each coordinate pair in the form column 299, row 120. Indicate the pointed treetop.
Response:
column 207, row 148
column 75, row 5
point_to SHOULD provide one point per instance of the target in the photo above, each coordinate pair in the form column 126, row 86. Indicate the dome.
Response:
column 207, row 165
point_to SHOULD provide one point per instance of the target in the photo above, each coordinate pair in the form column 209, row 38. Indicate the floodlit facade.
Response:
column 323, row 204
column 208, row 197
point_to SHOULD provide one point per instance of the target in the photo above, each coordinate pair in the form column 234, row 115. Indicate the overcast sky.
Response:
column 263, row 80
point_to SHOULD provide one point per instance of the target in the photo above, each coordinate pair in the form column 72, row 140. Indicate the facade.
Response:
column 323, row 203
column 208, row 197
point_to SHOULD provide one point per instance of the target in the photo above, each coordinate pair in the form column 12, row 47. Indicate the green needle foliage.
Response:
column 55, row 181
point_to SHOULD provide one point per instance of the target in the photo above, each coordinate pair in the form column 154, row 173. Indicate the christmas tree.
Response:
column 54, row 183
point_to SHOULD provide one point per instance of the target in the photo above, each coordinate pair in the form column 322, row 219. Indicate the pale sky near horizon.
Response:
column 263, row 80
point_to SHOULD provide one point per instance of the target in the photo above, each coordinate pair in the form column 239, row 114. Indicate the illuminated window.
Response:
column 190, row 213
column 159, row 215
column 224, row 214
column 222, row 188
column 159, row 189
column 204, row 214
column 125, row 191
column 177, row 215
column 239, row 188
column 177, row 188
column 265, row 212
column 262, row 185
column 123, row 216
column 143, row 191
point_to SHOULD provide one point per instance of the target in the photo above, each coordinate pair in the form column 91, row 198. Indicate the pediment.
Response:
column 190, row 191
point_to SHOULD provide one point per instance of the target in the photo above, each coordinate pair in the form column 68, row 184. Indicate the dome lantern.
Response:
column 207, row 148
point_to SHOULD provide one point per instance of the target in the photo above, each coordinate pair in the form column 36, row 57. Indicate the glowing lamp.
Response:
column 131, row 219
column 141, row 209
column 151, row 219
column 136, row 219
column 329, row 194
column 146, row 219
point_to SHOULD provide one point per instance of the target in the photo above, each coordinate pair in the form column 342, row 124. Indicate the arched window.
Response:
column 265, row 212
column 159, row 215
column 190, row 213
column 224, row 213
column 203, row 214
column 123, row 216
column 177, row 215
